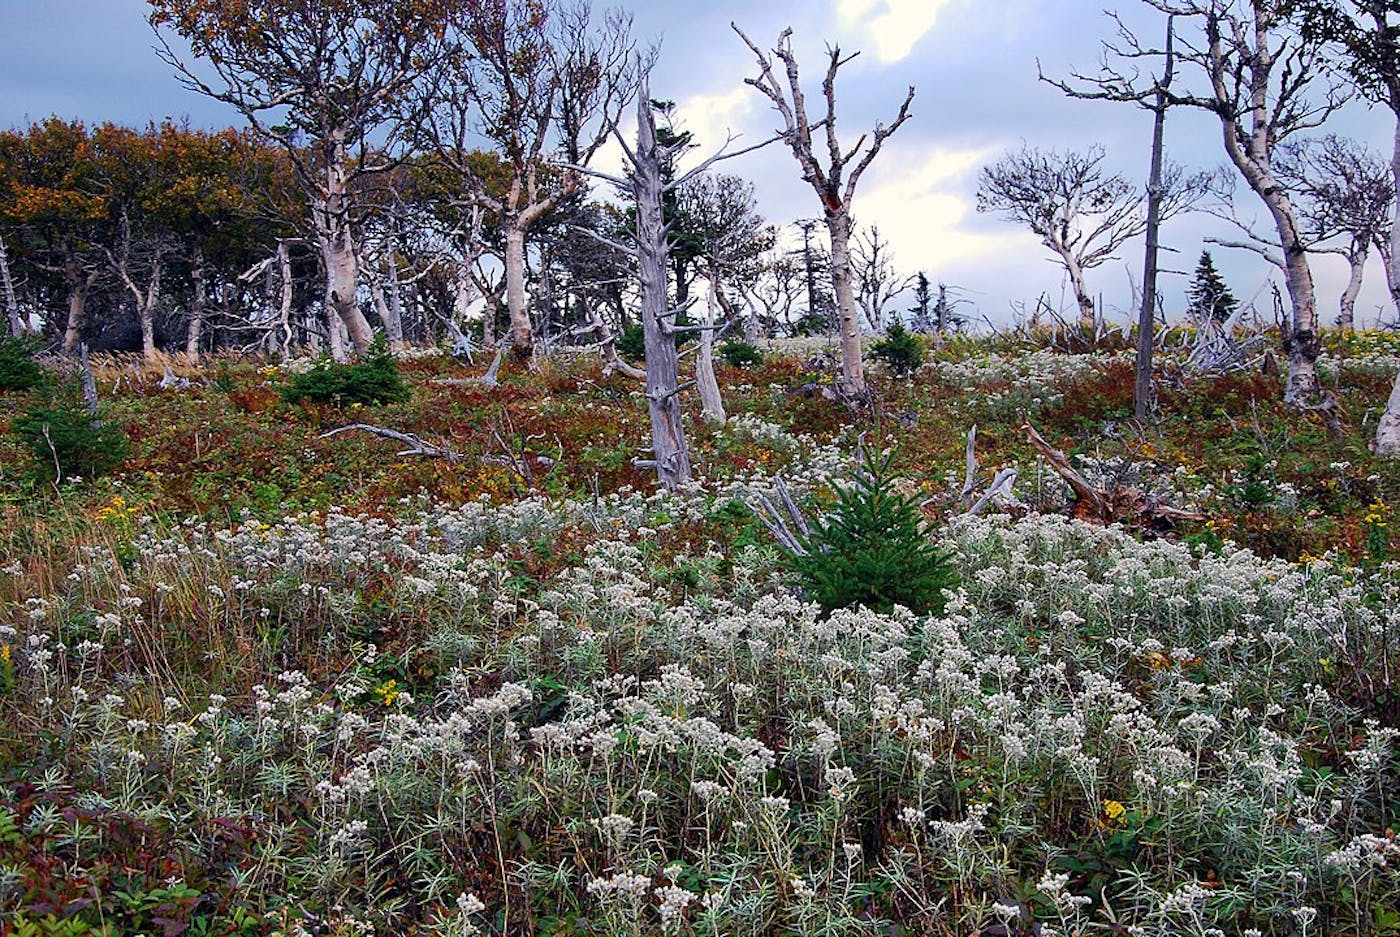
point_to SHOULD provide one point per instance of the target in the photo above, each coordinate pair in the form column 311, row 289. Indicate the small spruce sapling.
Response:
column 872, row 548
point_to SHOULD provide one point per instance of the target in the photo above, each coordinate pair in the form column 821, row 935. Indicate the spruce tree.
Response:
column 1208, row 296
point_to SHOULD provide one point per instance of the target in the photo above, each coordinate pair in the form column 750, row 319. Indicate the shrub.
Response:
column 872, row 549
column 373, row 379
column 18, row 368
column 67, row 441
column 901, row 351
column 631, row 344
column 741, row 354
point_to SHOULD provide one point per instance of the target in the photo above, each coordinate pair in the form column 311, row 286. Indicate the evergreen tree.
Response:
column 1209, row 297
column 922, row 320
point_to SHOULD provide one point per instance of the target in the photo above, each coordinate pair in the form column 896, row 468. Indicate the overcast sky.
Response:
column 973, row 63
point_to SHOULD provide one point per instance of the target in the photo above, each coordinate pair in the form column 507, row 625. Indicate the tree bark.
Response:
column 670, row 454
column 78, row 283
column 18, row 326
column 838, row 225
column 1147, row 312
column 1088, row 316
column 1356, row 259
column 521, row 336
column 1392, row 268
column 199, row 305
column 337, row 243
column 711, row 403
column 1387, row 442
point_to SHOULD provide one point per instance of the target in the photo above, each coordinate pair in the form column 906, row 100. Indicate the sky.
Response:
column 974, row 67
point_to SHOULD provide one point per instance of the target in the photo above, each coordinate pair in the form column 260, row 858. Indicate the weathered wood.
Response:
column 416, row 444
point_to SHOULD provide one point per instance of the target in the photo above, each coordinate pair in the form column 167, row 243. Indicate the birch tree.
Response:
column 1081, row 212
column 1264, row 80
column 544, row 81
column 1368, row 33
column 322, row 78
column 834, row 181
column 1345, row 192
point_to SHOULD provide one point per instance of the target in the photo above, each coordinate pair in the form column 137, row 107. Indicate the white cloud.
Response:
column 892, row 27
column 924, row 209
column 711, row 118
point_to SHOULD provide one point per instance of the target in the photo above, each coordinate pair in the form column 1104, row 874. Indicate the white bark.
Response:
column 711, row 402
column 1356, row 259
column 199, row 305
column 521, row 336
column 1387, row 442
column 17, row 323
column 336, row 239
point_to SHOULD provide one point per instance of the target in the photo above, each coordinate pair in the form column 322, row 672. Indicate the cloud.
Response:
column 711, row 118
column 925, row 210
column 892, row 27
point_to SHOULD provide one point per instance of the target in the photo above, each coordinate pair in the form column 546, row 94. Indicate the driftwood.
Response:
column 1107, row 506
column 792, row 530
column 416, row 444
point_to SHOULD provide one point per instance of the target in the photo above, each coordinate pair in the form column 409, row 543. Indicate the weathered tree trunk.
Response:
column 711, row 403
column 337, row 243
column 1390, row 256
column 1387, row 442
column 1147, row 312
column 78, row 284
column 17, row 324
column 199, row 305
column 1356, row 259
column 521, row 336
column 389, row 304
column 284, row 309
column 838, row 224
column 1088, row 316
column 669, row 451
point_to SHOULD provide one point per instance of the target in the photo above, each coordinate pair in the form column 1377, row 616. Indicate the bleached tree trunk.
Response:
column 1088, row 317
column 711, row 403
column 831, row 183
column 17, row 324
column 79, row 283
column 337, row 242
column 521, row 334
column 1387, row 442
column 1392, row 269
column 1356, row 260
column 838, row 225
column 1147, row 319
column 284, row 306
column 199, row 305
column 670, row 454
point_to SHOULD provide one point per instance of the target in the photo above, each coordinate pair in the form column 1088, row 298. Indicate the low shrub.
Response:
column 67, row 441
column 741, row 354
column 18, row 368
column 901, row 351
column 373, row 379
column 872, row 550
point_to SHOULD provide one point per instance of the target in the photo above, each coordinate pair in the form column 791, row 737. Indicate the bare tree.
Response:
column 835, row 183
column 322, row 80
column 876, row 282
column 1079, row 211
column 1344, row 191
column 1259, row 69
column 545, row 82
column 18, row 325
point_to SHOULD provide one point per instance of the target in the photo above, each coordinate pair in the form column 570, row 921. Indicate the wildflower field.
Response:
column 259, row 680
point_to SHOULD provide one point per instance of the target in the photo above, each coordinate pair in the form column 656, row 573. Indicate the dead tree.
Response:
column 1082, row 214
column 834, row 183
column 18, row 324
column 1258, row 69
column 876, row 282
column 1348, row 192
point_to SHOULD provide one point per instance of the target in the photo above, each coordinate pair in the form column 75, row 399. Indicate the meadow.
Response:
column 261, row 680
